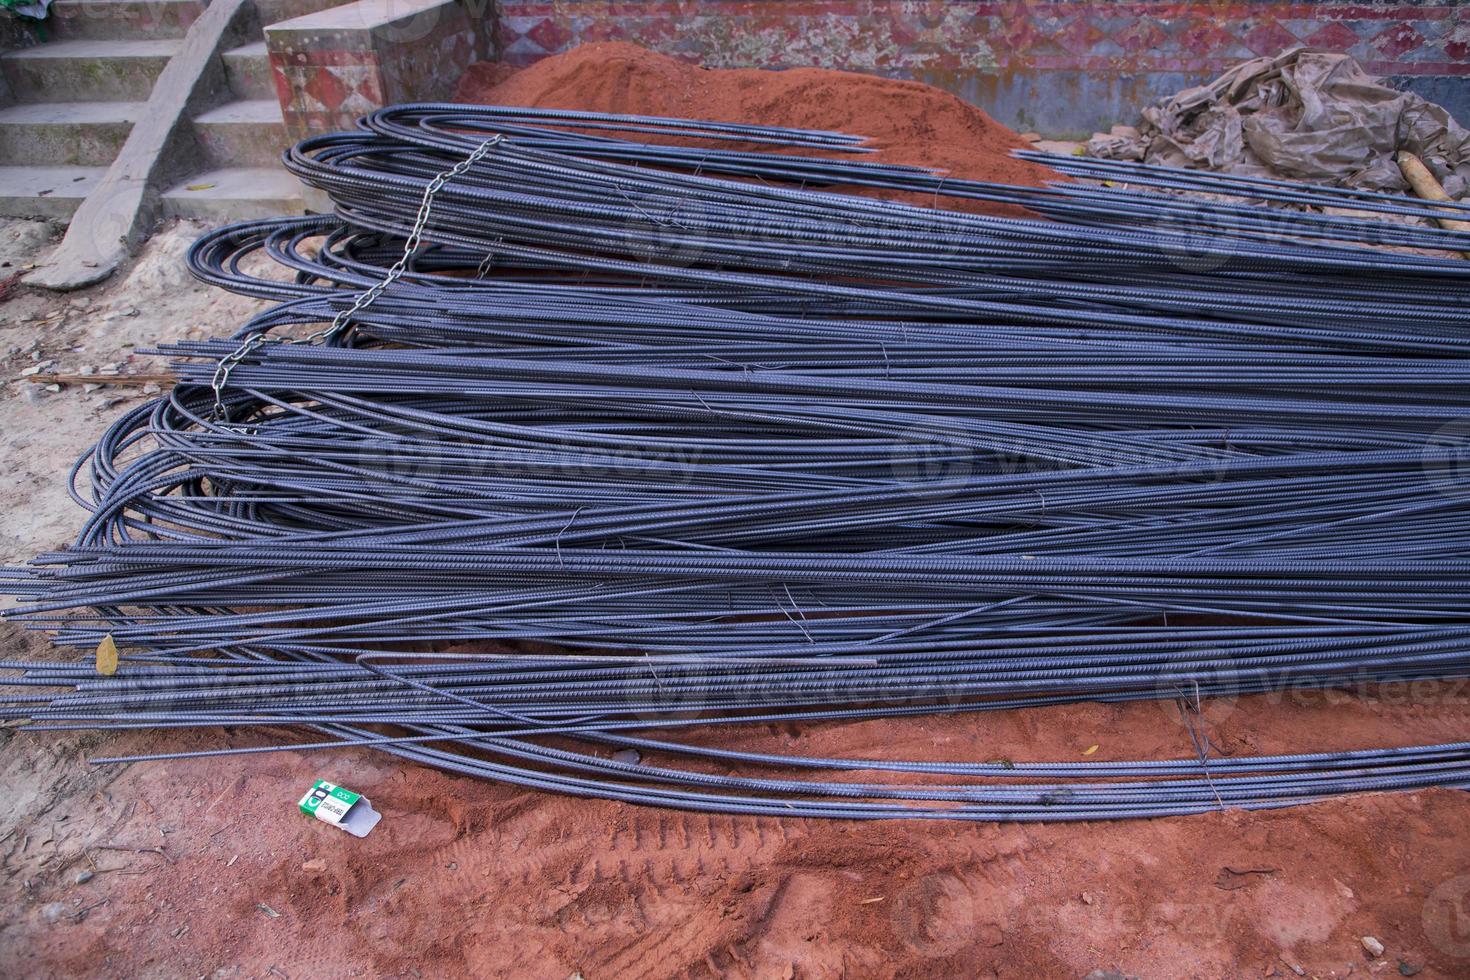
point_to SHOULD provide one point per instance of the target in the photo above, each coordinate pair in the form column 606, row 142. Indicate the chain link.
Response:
column 368, row 296
column 222, row 374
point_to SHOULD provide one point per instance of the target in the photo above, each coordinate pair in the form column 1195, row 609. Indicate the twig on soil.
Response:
column 81, row 913
column 140, row 850
column 1231, row 879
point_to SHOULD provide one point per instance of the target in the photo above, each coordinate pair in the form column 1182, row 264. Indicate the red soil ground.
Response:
column 205, row 868
column 905, row 122
column 464, row 878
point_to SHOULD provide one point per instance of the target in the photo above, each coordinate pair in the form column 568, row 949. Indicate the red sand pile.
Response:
column 906, row 122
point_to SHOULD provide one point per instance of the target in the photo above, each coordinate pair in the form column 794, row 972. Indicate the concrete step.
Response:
column 86, row 70
column 248, row 69
column 45, row 192
column 247, row 133
column 275, row 11
column 235, row 194
column 119, row 20
column 79, row 134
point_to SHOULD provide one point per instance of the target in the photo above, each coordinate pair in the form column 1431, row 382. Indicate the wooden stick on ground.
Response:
column 125, row 380
column 1428, row 188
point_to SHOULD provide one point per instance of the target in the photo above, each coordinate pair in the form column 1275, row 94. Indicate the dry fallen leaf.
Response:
column 1089, row 750
column 107, row 656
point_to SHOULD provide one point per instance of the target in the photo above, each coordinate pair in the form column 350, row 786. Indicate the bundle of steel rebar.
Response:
column 615, row 426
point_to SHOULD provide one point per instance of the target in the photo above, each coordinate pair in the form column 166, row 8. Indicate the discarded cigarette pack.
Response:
column 340, row 808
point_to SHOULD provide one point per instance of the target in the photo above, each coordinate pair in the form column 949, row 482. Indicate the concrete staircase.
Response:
column 69, row 103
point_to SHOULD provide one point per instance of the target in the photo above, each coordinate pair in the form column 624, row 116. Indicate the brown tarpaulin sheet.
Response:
column 1303, row 114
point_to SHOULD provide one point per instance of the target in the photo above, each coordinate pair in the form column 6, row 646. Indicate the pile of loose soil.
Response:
column 905, row 122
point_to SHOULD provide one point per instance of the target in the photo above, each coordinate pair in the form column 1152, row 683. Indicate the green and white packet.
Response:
column 340, row 807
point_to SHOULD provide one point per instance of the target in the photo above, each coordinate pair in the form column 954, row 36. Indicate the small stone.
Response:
column 88, row 370
column 314, row 866
column 1086, row 898
column 89, row 388
column 151, row 389
column 1408, row 969
column 53, row 388
column 627, row 757
column 53, row 911
column 33, row 369
column 1373, row 946
column 85, row 876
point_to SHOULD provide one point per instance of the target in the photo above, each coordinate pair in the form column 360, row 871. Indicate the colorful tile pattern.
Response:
column 1086, row 35
column 1119, row 53
column 330, row 70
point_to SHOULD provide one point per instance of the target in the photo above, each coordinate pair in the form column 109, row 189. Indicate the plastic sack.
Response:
column 1305, row 114
column 34, row 9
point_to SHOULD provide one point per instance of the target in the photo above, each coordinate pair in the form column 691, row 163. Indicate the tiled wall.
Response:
column 332, row 66
column 1064, row 68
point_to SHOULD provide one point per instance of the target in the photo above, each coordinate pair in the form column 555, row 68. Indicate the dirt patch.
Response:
column 99, row 333
column 906, row 122
column 464, row 878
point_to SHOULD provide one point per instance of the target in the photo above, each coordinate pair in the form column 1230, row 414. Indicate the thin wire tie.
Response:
column 489, row 260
